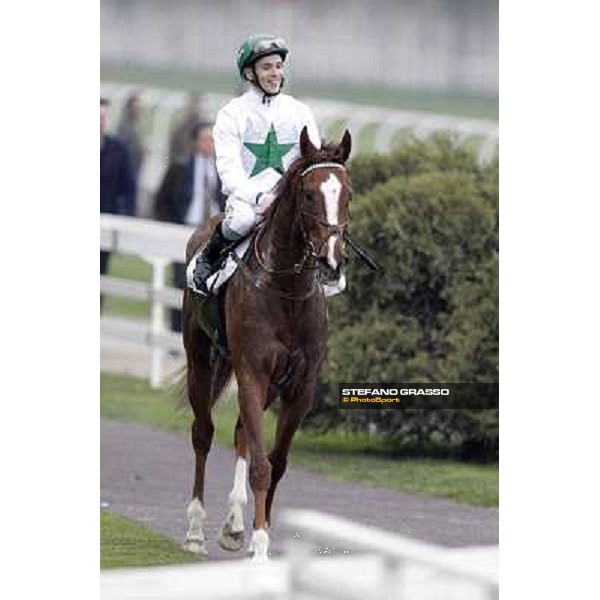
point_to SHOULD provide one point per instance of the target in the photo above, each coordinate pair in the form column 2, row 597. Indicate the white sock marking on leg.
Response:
column 196, row 517
column 238, row 497
column 238, row 493
column 259, row 544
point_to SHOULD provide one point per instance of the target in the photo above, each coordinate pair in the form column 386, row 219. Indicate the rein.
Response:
column 310, row 252
column 339, row 229
column 296, row 269
column 262, row 285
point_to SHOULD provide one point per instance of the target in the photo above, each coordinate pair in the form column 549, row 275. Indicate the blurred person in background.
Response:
column 190, row 193
column 257, row 137
column 117, row 180
column 129, row 133
column 179, row 143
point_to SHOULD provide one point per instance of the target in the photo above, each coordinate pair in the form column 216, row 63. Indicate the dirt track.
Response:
column 146, row 475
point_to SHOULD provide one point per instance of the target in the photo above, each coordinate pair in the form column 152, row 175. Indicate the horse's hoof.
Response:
column 232, row 541
column 195, row 547
column 258, row 547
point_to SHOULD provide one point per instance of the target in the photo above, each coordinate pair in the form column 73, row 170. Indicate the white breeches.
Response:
column 240, row 218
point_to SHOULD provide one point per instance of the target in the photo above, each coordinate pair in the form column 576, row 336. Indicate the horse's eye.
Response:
column 309, row 195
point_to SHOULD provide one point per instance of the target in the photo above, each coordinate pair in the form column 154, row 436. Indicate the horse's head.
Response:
column 324, row 195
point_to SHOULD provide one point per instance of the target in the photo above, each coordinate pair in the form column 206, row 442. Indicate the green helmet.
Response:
column 257, row 46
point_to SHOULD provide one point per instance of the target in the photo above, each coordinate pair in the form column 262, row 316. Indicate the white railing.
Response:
column 162, row 106
column 368, row 564
column 386, row 566
column 158, row 244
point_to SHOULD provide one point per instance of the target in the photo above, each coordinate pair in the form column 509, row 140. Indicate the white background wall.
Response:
column 438, row 44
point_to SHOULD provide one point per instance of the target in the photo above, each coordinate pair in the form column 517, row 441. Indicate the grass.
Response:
column 129, row 267
column 124, row 543
column 456, row 102
column 341, row 455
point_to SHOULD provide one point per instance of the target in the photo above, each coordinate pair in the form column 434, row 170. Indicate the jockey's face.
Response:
column 269, row 70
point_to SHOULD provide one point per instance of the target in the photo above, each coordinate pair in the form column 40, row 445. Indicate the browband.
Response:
column 322, row 165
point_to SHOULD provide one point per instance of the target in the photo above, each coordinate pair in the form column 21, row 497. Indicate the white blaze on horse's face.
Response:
column 331, row 189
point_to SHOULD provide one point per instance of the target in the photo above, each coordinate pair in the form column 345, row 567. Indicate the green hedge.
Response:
column 429, row 216
column 440, row 153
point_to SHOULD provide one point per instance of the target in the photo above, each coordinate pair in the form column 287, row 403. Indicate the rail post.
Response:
column 157, row 316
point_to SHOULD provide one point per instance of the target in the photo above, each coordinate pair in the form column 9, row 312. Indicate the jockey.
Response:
column 256, row 138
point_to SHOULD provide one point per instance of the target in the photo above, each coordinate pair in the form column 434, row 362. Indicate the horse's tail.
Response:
column 179, row 387
column 220, row 375
column 208, row 369
column 221, row 370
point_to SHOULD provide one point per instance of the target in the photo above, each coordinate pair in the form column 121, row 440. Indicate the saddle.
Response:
column 210, row 310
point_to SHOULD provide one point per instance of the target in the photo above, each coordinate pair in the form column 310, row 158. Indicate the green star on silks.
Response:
column 268, row 154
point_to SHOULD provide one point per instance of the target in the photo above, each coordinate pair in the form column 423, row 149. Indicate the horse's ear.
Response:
column 306, row 146
column 345, row 147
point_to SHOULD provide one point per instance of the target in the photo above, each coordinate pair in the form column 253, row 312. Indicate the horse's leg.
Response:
column 251, row 394
column 293, row 410
column 204, row 385
column 198, row 378
column 232, row 531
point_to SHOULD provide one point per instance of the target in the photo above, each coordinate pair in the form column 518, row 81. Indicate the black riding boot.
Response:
column 207, row 259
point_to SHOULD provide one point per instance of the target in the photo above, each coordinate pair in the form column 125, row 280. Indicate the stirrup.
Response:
column 205, row 293
column 201, row 289
column 214, row 250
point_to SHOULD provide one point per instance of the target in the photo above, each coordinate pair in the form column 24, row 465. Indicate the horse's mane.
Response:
column 285, row 186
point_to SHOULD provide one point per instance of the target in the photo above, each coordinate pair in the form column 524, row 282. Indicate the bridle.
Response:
column 339, row 229
column 311, row 253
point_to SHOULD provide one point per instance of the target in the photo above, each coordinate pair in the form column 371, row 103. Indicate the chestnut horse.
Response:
column 276, row 326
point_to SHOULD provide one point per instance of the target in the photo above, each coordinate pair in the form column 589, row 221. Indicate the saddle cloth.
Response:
column 217, row 279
